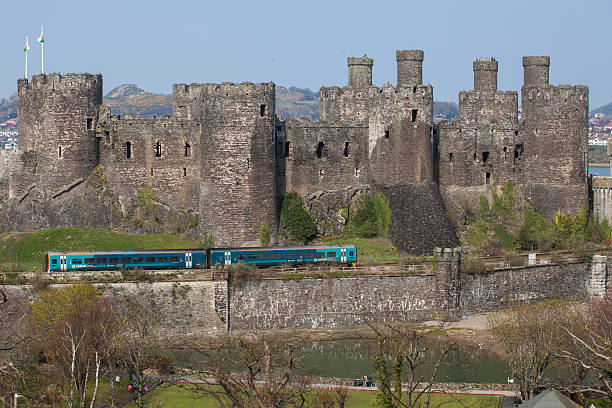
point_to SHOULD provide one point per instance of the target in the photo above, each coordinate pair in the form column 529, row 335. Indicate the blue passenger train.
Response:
column 199, row 258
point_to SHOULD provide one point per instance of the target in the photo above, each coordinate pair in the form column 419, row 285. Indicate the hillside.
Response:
column 606, row 110
column 291, row 102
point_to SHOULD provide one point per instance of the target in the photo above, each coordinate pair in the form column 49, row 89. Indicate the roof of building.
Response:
column 549, row 399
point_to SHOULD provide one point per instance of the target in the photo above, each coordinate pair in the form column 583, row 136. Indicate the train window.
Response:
column 54, row 261
column 100, row 260
column 297, row 256
column 113, row 260
column 175, row 259
column 89, row 260
column 252, row 257
column 150, row 259
column 241, row 257
column 309, row 255
column 137, row 260
column 285, row 256
column 331, row 254
column 275, row 256
column 77, row 262
column 320, row 254
column 351, row 253
column 162, row 259
column 126, row 260
column 264, row 256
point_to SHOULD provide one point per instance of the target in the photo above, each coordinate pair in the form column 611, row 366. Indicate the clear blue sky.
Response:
column 305, row 43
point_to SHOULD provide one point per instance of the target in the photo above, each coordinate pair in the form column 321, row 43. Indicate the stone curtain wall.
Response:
column 314, row 303
column 501, row 289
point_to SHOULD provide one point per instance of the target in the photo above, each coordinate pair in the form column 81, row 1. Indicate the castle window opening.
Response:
column 321, row 173
column 262, row 110
column 485, row 157
column 158, row 149
column 184, row 172
column 487, row 178
column 518, row 152
column 287, row 149
column 59, row 151
column 320, row 150
column 128, row 150
column 386, row 134
column 450, row 158
column 414, row 89
column 106, row 133
column 187, row 149
column 248, row 164
column 89, row 123
column 413, row 117
column 516, row 133
column 151, row 170
column 346, row 149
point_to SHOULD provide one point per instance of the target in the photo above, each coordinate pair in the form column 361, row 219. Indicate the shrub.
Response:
column 146, row 197
column 161, row 364
column 264, row 234
column 209, row 241
column 240, row 273
column 372, row 217
column 298, row 223
column 514, row 259
column 533, row 229
column 473, row 265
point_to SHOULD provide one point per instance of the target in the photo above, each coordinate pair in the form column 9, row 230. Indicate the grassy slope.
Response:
column 178, row 397
column 376, row 250
column 28, row 250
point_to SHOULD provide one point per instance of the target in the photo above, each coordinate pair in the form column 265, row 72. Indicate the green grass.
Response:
column 182, row 397
column 369, row 251
column 27, row 250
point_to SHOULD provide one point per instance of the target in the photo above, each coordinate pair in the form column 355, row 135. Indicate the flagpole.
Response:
column 42, row 50
column 26, row 64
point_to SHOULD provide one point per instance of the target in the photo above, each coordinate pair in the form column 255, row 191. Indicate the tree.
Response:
column 532, row 336
column 590, row 335
column 78, row 328
column 253, row 370
column 297, row 221
column 401, row 356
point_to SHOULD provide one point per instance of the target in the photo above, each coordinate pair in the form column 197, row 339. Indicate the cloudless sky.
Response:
column 305, row 43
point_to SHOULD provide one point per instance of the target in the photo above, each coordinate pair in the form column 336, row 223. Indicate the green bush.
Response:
column 264, row 234
column 146, row 198
column 533, row 230
column 209, row 241
column 372, row 217
column 298, row 223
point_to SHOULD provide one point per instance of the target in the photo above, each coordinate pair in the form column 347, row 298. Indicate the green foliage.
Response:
column 209, row 241
column 146, row 199
column 484, row 208
column 297, row 221
column 534, row 230
column 264, row 234
column 372, row 217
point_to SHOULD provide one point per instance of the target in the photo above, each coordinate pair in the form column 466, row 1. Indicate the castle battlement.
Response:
column 60, row 82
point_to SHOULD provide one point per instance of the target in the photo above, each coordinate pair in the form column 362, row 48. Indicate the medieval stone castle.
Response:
column 222, row 160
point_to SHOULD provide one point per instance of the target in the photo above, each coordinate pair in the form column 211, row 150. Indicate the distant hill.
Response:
column 606, row 110
column 291, row 102
column 445, row 110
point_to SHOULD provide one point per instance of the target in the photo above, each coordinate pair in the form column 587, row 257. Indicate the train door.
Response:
column 342, row 254
column 63, row 263
column 188, row 260
column 228, row 258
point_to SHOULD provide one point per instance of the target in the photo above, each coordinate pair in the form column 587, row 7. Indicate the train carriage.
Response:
column 295, row 255
column 112, row 260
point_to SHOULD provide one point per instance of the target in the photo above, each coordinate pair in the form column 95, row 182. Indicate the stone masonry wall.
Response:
column 485, row 293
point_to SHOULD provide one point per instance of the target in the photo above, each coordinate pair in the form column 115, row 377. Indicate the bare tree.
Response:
column 590, row 340
column 401, row 358
column 532, row 336
column 253, row 370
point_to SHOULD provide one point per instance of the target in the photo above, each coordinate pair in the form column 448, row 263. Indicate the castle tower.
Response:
column 485, row 75
column 409, row 67
column 238, row 186
column 554, row 127
column 57, row 121
column 360, row 71
column 536, row 70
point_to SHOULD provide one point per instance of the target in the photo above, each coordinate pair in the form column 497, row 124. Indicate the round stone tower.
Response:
column 360, row 71
column 409, row 67
column 238, row 186
column 485, row 75
column 536, row 70
column 57, row 121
